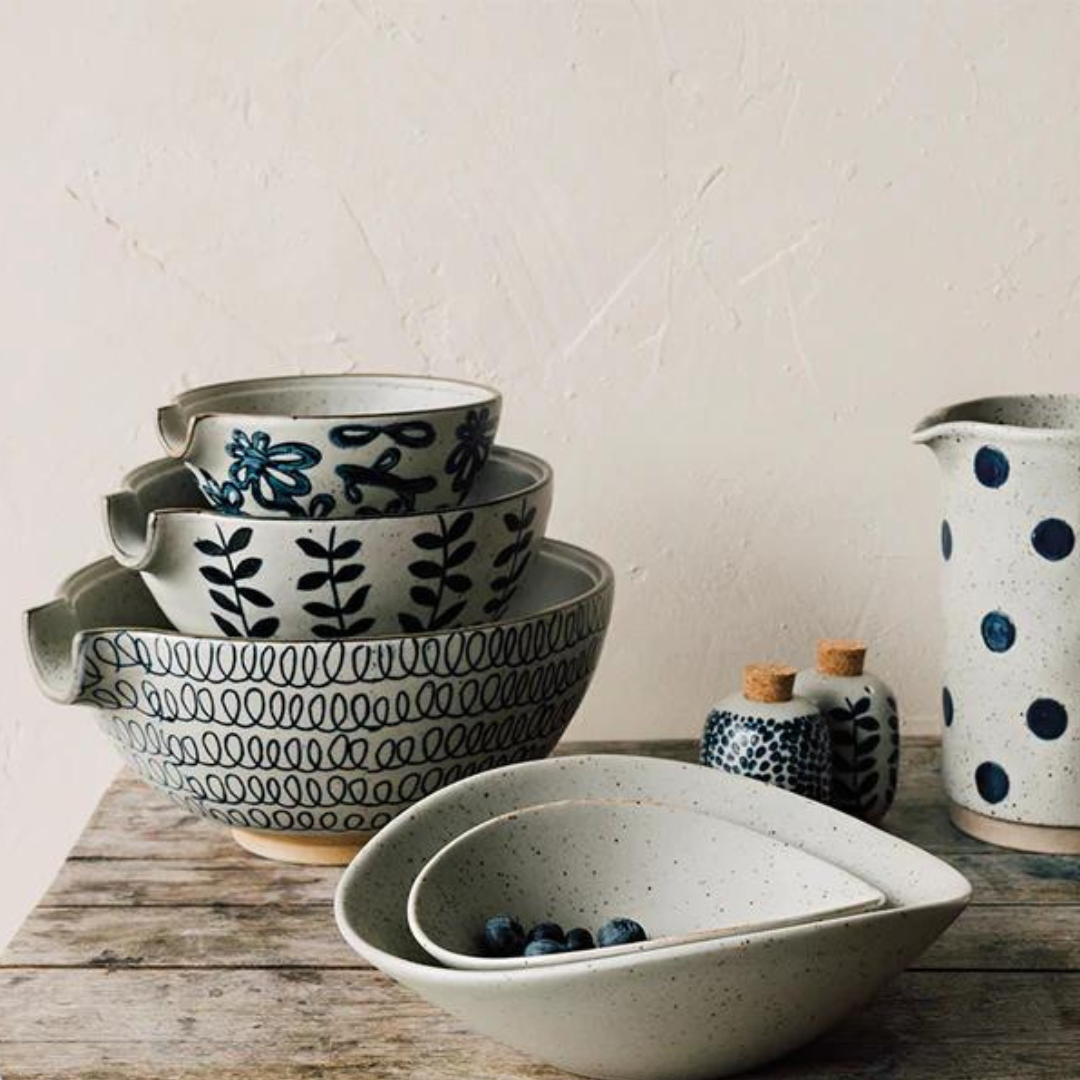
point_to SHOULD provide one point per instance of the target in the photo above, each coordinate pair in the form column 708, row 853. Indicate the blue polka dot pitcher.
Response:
column 1010, row 691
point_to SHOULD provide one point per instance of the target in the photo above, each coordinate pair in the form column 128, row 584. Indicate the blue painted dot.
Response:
column 991, row 467
column 946, row 706
column 998, row 631
column 1053, row 539
column 946, row 541
column 992, row 781
column 1047, row 718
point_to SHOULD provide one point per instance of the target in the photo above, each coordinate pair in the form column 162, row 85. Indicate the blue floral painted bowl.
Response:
column 307, row 748
column 299, row 579
column 333, row 446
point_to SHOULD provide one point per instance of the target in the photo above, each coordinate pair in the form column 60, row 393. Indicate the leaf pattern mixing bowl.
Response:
column 262, row 578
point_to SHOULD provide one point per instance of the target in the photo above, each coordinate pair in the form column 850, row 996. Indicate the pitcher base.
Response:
column 1045, row 839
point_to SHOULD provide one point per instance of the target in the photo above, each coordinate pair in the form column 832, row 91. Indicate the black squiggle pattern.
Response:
column 428, row 700
column 317, row 665
column 337, row 736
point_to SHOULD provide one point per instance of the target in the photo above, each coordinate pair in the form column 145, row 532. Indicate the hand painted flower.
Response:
column 225, row 498
column 273, row 473
column 474, row 439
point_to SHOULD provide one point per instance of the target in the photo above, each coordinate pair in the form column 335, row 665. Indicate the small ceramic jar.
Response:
column 767, row 734
column 863, row 723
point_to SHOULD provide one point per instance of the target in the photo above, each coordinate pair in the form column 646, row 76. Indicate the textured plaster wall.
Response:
column 720, row 256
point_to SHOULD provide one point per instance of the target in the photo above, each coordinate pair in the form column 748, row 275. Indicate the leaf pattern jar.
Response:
column 864, row 727
column 767, row 734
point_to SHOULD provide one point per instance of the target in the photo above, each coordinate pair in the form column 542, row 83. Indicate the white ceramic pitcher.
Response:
column 1011, row 576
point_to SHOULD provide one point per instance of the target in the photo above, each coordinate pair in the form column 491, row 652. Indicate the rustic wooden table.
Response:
column 163, row 950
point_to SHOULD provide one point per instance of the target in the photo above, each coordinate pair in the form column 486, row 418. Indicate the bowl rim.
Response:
column 451, row 958
column 483, row 393
column 64, row 687
column 186, row 410
column 411, row 971
column 502, row 455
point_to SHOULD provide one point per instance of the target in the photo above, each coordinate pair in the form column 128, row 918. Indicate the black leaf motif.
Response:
column 428, row 541
column 336, row 573
column 425, row 569
column 239, row 540
column 246, row 568
column 512, row 559
column 313, row 579
column 312, row 548
column 356, row 601
column 424, row 596
column 226, row 626
column 461, row 554
column 229, row 576
column 346, row 549
column 226, row 602
column 459, row 528
column 254, row 596
column 856, row 738
column 264, row 628
column 450, row 552
column 446, row 619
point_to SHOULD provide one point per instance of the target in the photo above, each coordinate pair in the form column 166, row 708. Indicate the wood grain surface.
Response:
column 162, row 950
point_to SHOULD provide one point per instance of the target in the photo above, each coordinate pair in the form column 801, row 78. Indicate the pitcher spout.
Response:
column 934, row 426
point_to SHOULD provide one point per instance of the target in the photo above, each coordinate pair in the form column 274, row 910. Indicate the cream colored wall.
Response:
column 720, row 256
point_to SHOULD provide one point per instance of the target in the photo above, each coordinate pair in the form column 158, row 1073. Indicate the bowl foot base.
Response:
column 1045, row 839
column 327, row 849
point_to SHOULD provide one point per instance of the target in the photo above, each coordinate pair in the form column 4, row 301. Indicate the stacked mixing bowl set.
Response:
column 333, row 598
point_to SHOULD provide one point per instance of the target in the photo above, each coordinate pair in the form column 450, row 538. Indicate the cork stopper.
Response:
column 768, row 682
column 840, row 656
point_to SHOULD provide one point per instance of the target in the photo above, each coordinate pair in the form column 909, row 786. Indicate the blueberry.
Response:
column 544, row 947
column 579, row 938
column 620, row 932
column 503, row 936
column 546, row 931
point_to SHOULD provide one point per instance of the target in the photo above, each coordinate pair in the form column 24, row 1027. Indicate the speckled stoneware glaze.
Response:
column 682, row 875
column 294, row 578
column 323, row 739
column 1010, row 688
column 864, row 732
column 785, row 743
column 333, row 446
column 689, row 1012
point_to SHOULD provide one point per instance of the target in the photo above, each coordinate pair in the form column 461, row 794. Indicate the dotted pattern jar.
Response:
column 1010, row 692
column 767, row 734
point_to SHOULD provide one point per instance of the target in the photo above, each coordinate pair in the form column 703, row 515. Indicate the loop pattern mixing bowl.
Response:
column 332, row 737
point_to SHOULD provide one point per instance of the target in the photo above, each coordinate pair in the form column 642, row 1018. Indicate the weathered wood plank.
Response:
column 997, row 877
column 150, row 883
column 1020, row 937
column 298, row 1025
